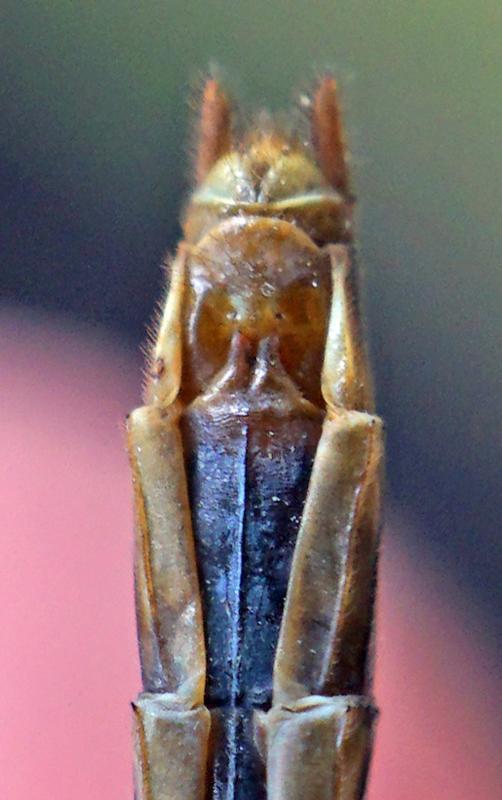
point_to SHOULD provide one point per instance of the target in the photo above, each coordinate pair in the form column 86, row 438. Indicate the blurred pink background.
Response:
column 69, row 666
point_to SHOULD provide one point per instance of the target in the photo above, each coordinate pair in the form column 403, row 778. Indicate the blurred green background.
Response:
column 94, row 132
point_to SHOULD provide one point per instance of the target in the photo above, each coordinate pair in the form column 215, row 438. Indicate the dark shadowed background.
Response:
column 93, row 165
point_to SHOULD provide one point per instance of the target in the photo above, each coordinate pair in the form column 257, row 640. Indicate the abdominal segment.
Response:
column 247, row 478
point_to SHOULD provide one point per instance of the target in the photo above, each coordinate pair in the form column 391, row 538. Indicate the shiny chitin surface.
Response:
column 256, row 468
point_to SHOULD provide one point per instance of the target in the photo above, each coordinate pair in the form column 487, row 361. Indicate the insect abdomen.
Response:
column 257, row 532
column 247, row 479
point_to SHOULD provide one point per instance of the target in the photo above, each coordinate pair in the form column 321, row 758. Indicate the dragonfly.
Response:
column 257, row 466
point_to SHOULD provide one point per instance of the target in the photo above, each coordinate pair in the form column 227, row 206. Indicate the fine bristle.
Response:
column 147, row 347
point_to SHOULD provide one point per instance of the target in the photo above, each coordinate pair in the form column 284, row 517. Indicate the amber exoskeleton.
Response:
column 256, row 463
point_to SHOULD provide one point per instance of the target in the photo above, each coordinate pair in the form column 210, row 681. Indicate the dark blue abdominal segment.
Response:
column 247, row 477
